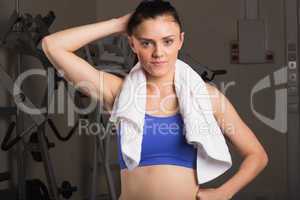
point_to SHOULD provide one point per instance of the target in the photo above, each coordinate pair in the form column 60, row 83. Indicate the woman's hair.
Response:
column 150, row 9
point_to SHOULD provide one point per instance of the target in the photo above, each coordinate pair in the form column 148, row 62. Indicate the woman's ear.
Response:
column 130, row 41
column 181, row 40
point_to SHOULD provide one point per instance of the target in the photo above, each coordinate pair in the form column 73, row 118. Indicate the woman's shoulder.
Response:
column 217, row 98
column 212, row 90
column 223, row 109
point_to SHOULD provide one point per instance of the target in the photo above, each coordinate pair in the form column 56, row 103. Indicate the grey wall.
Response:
column 209, row 27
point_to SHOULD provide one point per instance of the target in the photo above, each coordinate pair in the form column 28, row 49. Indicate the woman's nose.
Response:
column 158, row 52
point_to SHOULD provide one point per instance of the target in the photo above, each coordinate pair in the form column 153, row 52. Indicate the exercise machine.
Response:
column 23, row 34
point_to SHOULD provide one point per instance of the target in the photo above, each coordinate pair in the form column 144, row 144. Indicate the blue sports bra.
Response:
column 163, row 143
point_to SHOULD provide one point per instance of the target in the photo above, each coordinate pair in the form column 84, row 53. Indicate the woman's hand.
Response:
column 210, row 194
column 124, row 21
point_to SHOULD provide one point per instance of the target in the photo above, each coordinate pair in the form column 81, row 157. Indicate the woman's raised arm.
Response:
column 59, row 47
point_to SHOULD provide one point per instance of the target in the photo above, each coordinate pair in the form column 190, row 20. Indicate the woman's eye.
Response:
column 145, row 44
column 168, row 42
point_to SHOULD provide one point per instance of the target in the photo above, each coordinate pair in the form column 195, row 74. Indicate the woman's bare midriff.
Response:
column 159, row 182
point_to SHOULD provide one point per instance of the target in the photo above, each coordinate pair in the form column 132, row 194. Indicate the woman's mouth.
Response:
column 158, row 63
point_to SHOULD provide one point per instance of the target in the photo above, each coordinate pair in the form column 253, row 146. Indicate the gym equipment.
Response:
column 4, row 176
column 292, row 61
column 32, row 30
column 102, row 146
column 39, row 153
column 35, row 151
column 6, row 193
column 40, row 149
column 66, row 189
column 39, row 120
column 251, row 46
column 36, row 190
column 206, row 74
column 23, row 34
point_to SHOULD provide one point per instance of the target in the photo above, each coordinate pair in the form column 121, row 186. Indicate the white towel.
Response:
column 200, row 126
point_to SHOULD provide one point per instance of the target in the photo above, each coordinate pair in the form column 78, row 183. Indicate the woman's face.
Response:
column 156, row 43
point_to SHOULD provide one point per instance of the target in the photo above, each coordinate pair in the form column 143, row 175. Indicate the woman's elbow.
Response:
column 263, row 158
column 260, row 158
column 47, row 44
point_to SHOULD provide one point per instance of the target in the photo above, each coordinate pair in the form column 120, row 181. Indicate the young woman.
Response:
column 155, row 35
